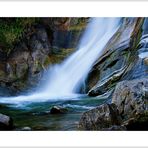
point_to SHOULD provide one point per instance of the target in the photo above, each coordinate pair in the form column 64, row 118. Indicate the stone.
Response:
column 6, row 122
column 146, row 61
column 26, row 128
column 58, row 110
column 131, row 97
column 100, row 118
column 137, row 123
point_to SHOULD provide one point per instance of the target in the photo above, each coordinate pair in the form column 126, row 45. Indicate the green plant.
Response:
column 12, row 29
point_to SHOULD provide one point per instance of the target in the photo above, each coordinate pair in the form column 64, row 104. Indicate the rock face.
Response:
column 124, row 69
column 6, row 122
column 118, row 59
column 44, row 42
column 129, row 109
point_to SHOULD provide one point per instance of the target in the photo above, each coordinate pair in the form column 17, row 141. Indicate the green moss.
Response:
column 2, row 74
column 143, row 117
column 137, row 40
column 12, row 30
column 60, row 56
column 78, row 27
column 47, row 61
column 78, row 24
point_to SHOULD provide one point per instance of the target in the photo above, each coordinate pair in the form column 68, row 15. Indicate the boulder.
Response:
column 128, row 109
column 6, row 122
column 100, row 118
column 26, row 128
column 131, row 97
column 58, row 110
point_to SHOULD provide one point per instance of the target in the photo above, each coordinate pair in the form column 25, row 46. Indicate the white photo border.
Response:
column 73, row 9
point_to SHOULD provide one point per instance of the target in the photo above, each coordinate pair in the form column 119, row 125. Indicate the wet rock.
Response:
column 138, row 123
column 131, row 97
column 117, row 59
column 58, row 110
column 103, row 85
column 100, row 118
column 146, row 61
column 128, row 111
column 6, row 122
column 26, row 128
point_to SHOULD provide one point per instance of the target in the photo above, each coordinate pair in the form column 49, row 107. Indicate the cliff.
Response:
column 29, row 45
column 122, row 73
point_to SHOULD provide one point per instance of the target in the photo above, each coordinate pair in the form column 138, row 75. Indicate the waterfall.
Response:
column 65, row 79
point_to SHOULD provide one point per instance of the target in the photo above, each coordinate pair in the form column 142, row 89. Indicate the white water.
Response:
column 65, row 79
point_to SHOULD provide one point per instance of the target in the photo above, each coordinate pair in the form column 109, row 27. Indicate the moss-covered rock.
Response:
column 29, row 45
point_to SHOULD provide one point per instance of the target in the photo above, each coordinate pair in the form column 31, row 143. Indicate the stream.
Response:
column 37, row 115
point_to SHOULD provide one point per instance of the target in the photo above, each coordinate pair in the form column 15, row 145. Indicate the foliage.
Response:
column 78, row 23
column 12, row 29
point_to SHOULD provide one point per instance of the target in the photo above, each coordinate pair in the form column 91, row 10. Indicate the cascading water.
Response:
column 65, row 79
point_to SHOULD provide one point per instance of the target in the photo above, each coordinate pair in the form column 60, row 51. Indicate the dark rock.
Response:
column 128, row 110
column 6, row 122
column 95, row 92
column 138, row 123
column 58, row 110
column 102, row 117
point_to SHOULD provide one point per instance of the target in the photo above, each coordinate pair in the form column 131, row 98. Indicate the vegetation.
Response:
column 58, row 57
column 78, row 24
column 12, row 29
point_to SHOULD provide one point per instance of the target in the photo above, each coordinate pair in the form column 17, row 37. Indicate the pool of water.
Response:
column 37, row 115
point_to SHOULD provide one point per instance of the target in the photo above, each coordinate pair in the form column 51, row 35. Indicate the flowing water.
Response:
column 63, row 83
column 38, row 117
